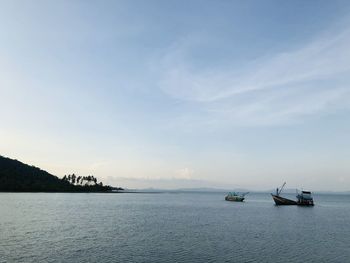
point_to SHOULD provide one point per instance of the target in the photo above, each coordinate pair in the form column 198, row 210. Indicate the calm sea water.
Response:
column 170, row 227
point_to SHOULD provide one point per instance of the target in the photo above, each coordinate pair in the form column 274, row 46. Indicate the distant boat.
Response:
column 235, row 197
column 303, row 199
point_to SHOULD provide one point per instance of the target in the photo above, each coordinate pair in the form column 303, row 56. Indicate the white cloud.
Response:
column 281, row 88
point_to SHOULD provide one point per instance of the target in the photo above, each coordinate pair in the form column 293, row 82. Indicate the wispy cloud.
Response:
column 166, row 183
column 184, row 174
column 274, row 89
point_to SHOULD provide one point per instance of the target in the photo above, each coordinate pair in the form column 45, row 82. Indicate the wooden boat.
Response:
column 303, row 199
column 235, row 197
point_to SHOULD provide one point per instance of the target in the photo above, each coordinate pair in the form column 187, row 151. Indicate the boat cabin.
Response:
column 305, row 198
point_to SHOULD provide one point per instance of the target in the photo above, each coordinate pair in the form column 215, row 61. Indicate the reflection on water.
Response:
column 170, row 227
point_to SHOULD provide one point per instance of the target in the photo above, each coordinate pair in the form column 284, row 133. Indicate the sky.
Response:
column 179, row 94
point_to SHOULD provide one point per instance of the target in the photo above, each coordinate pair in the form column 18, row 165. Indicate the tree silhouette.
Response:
column 16, row 176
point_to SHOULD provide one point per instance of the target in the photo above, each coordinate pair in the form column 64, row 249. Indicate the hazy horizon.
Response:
column 223, row 94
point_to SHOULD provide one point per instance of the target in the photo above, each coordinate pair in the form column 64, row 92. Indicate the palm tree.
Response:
column 90, row 179
column 85, row 179
column 73, row 178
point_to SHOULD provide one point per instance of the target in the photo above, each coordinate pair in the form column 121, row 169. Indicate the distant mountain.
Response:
column 285, row 190
column 211, row 189
column 16, row 176
column 185, row 190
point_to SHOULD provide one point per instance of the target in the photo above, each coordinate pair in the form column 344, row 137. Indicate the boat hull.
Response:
column 234, row 199
column 283, row 201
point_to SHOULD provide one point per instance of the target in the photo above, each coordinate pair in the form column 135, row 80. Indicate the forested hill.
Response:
column 16, row 176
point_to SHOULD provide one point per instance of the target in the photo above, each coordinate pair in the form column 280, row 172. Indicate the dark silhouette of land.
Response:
column 16, row 176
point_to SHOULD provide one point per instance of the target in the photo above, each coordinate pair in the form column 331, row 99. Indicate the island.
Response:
column 16, row 176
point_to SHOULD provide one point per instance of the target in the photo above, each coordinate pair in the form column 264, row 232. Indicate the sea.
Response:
column 171, row 227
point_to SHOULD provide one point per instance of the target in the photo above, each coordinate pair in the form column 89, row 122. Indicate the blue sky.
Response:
column 179, row 93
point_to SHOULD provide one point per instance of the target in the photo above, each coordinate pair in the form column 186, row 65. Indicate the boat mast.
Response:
column 281, row 188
